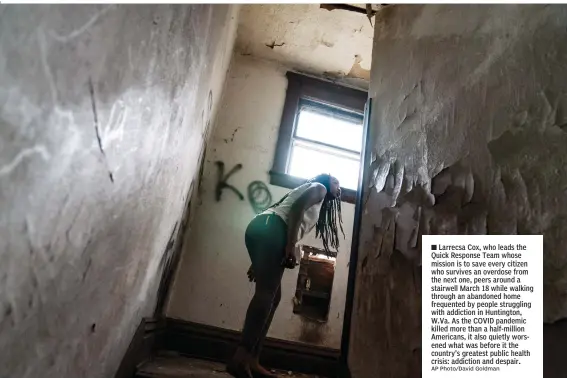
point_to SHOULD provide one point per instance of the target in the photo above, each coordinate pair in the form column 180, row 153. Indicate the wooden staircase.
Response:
column 168, row 348
column 171, row 366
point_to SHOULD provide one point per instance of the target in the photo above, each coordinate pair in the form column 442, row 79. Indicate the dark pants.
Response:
column 266, row 238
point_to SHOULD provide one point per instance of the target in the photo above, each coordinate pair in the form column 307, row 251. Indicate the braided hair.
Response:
column 330, row 214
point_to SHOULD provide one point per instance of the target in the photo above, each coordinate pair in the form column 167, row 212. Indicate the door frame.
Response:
column 355, row 243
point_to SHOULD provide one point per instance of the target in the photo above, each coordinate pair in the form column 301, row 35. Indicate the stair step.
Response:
column 185, row 367
column 181, row 367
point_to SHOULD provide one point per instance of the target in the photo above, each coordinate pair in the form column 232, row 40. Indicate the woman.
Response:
column 271, row 238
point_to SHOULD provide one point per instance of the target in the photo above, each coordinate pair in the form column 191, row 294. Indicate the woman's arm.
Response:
column 310, row 197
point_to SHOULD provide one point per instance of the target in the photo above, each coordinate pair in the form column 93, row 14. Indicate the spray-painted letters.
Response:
column 259, row 194
column 222, row 180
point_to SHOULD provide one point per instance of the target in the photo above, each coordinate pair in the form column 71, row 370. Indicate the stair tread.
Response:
column 185, row 367
column 182, row 367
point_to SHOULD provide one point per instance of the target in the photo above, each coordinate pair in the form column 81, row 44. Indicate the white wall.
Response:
column 103, row 110
column 456, row 89
column 211, row 286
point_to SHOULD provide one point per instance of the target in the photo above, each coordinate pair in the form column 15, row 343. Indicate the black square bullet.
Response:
column 434, row 247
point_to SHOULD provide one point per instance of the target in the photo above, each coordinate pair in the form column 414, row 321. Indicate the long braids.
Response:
column 330, row 214
column 326, row 227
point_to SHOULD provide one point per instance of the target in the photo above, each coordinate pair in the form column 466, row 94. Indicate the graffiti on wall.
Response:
column 259, row 195
column 222, row 180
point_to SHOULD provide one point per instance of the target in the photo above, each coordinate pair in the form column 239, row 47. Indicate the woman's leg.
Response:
column 265, row 241
column 245, row 363
column 255, row 366
column 263, row 305
column 258, row 348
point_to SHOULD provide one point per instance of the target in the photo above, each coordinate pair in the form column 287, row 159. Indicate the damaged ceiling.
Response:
column 336, row 44
column 369, row 9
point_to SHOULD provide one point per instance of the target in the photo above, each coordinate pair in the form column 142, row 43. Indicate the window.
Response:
column 326, row 139
column 321, row 132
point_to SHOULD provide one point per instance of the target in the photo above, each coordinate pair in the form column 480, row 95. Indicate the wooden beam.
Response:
column 347, row 7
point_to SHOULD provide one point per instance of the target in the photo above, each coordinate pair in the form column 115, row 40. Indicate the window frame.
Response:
column 305, row 88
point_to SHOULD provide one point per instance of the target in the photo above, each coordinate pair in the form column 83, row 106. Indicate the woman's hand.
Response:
column 251, row 275
column 290, row 261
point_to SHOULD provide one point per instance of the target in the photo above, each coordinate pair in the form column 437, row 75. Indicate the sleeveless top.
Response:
column 310, row 216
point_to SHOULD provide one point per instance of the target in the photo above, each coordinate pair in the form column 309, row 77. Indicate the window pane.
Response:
column 318, row 126
column 307, row 162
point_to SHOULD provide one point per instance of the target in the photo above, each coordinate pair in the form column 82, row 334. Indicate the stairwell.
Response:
column 166, row 365
column 172, row 348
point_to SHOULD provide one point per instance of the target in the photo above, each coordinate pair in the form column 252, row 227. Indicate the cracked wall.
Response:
column 468, row 137
column 104, row 112
column 334, row 44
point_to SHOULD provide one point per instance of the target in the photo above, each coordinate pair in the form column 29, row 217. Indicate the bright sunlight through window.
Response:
column 326, row 140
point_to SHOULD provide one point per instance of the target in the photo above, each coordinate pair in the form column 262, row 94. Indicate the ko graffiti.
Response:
column 259, row 195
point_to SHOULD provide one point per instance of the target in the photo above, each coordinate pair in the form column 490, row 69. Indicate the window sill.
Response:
column 291, row 182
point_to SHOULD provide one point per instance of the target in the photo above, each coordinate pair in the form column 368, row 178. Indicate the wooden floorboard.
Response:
column 217, row 344
column 178, row 366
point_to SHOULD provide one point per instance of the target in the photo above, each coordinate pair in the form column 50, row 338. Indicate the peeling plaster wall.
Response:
column 335, row 44
column 468, row 135
column 103, row 116
column 211, row 286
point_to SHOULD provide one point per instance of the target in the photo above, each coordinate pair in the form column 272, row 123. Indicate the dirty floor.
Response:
column 183, row 367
